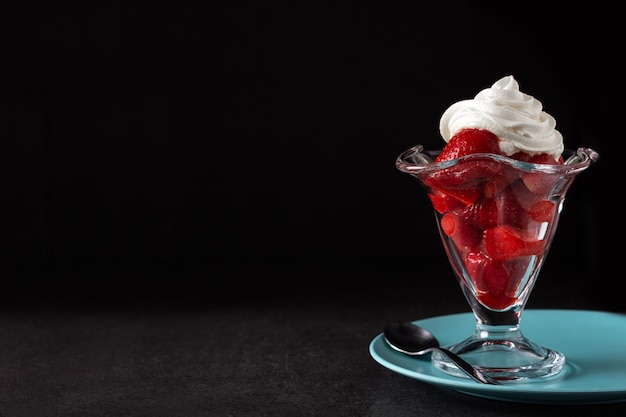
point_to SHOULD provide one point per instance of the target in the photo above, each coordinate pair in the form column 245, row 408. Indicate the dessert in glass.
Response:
column 497, row 189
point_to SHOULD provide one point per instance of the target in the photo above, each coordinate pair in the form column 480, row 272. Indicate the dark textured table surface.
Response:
column 285, row 352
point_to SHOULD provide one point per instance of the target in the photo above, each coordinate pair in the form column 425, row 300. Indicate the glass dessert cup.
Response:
column 497, row 217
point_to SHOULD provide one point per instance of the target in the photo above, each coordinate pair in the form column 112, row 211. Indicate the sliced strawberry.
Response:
column 517, row 269
column 496, row 302
column 483, row 214
column 505, row 242
column 539, row 158
column 469, row 141
column 495, row 185
column 465, row 195
column 445, row 203
column 524, row 196
column 511, row 212
column 467, row 174
column 495, row 278
column 544, row 158
column 542, row 211
column 464, row 235
column 487, row 274
column 491, row 279
column 465, row 180
column 521, row 156
column 538, row 182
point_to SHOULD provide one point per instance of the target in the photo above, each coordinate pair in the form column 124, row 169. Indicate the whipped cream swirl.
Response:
column 515, row 117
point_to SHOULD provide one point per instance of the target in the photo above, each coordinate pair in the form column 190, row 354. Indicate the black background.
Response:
column 209, row 152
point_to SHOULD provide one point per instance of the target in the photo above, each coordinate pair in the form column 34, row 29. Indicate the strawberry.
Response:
column 545, row 158
column 464, row 235
column 537, row 182
column 469, row 141
column 491, row 279
column 483, row 214
column 467, row 174
column 475, row 263
column 464, row 181
column 495, row 278
column 444, row 203
column 505, row 242
column 495, row 185
column 496, row 302
column 517, row 268
column 521, row 156
column 511, row 212
column 539, row 158
column 487, row 274
column 542, row 211
column 466, row 195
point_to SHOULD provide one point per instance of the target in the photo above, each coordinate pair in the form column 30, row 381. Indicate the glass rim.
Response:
column 416, row 159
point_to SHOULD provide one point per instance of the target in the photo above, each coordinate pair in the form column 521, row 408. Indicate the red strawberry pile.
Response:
column 493, row 214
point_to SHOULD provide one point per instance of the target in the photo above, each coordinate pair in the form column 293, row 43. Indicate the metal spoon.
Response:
column 414, row 340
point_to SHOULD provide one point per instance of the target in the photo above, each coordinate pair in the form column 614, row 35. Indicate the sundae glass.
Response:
column 497, row 189
column 496, row 246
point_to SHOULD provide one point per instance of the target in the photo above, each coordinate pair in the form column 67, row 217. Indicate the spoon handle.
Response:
column 468, row 368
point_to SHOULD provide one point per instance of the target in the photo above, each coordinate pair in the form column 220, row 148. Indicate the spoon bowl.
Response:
column 414, row 340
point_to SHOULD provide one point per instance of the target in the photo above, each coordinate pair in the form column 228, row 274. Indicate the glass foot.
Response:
column 506, row 360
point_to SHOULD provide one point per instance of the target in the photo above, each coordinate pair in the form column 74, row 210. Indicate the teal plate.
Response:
column 593, row 342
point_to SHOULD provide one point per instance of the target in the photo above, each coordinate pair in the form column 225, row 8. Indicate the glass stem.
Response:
column 500, row 332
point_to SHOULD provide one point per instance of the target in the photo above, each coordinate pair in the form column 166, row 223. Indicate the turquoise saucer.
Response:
column 593, row 342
